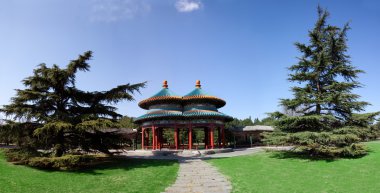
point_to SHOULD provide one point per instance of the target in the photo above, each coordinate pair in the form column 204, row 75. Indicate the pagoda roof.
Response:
column 198, row 94
column 163, row 96
column 167, row 105
column 159, row 114
column 206, row 113
column 199, row 114
column 253, row 128
column 165, row 92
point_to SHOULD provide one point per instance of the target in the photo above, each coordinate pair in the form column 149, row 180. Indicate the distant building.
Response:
column 249, row 136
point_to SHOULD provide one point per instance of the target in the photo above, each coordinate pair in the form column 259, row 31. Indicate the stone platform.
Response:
column 173, row 154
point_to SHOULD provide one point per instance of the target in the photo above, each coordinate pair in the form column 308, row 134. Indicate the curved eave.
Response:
column 218, row 102
column 159, row 99
column 154, row 116
column 207, row 114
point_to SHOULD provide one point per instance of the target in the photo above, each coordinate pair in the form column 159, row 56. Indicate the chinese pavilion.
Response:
column 183, row 115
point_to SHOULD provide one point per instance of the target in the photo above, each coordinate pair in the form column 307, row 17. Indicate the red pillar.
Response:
column 190, row 137
column 212, row 137
column 157, row 138
column 219, row 137
column 160, row 138
column 142, row 137
column 153, row 137
column 176, row 137
column 147, row 141
column 206, row 137
column 223, row 137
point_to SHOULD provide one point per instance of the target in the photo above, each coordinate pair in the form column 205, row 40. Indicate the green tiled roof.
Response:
column 164, row 92
column 197, row 92
column 186, row 114
column 168, row 105
column 206, row 113
column 164, row 95
column 161, row 114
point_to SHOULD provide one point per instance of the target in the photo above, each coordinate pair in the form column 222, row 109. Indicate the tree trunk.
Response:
column 318, row 109
column 59, row 148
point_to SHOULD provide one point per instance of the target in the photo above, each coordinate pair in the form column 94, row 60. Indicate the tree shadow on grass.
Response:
column 293, row 155
column 299, row 156
column 118, row 163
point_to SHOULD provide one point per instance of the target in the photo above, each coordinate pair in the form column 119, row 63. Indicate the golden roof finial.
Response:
column 165, row 84
column 198, row 84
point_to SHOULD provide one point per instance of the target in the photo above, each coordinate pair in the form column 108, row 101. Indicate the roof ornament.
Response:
column 165, row 84
column 198, row 84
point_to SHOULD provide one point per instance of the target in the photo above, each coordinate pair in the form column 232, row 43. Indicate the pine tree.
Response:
column 52, row 113
column 256, row 121
column 323, row 121
column 325, row 73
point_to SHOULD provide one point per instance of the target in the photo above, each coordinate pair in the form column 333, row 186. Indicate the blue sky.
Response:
column 239, row 49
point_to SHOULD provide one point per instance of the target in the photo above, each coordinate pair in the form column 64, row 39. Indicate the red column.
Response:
column 157, row 138
column 176, row 137
column 219, row 137
column 153, row 137
column 147, row 141
column 142, row 137
column 223, row 137
column 212, row 137
column 206, row 137
column 160, row 138
column 190, row 137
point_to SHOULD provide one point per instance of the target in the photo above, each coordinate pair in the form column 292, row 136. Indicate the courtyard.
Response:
column 258, row 172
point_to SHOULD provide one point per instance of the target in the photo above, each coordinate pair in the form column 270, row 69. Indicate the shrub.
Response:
column 327, row 144
column 275, row 138
column 67, row 162
column 20, row 156
column 35, row 159
column 321, row 136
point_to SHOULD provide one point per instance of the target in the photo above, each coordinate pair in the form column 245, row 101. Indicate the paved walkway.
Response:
column 195, row 175
column 198, row 176
column 247, row 151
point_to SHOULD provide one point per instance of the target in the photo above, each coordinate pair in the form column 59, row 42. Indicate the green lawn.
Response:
column 268, row 172
column 124, row 176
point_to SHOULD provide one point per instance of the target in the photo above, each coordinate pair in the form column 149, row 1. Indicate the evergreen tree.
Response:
column 256, row 121
column 52, row 113
column 324, row 71
column 127, row 122
column 323, row 120
column 247, row 121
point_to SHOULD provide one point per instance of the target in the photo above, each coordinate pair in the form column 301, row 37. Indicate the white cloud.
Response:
column 188, row 5
column 115, row 10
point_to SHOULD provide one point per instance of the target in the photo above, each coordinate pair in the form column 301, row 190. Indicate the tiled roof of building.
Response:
column 198, row 94
column 198, row 104
column 254, row 128
column 164, row 95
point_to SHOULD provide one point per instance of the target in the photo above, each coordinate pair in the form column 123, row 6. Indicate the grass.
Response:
column 127, row 175
column 275, row 172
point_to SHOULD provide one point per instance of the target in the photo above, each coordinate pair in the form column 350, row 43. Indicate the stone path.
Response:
column 198, row 176
column 247, row 151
